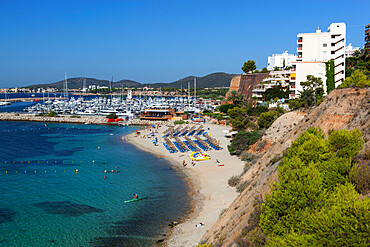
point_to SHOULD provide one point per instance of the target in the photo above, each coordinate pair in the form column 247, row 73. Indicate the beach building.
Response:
column 315, row 49
column 280, row 60
column 367, row 36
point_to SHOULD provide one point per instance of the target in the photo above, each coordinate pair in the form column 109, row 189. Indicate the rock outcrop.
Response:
column 342, row 109
column 245, row 83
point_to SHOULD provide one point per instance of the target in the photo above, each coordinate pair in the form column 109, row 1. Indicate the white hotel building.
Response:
column 314, row 49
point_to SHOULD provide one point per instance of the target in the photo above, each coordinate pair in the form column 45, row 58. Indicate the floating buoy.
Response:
column 55, row 162
column 76, row 170
column 47, row 161
column 98, row 147
column 28, row 162
column 105, row 177
column 72, row 161
column 93, row 161
column 35, row 171
column 25, row 171
column 6, row 171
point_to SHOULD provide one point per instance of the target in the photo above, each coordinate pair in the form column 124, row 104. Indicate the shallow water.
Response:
column 46, row 202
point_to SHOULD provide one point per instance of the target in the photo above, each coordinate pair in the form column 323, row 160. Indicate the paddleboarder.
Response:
column 136, row 196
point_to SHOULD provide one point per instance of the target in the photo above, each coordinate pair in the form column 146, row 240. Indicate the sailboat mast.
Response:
column 188, row 93
column 66, row 86
column 110, row 86
column 195, row 91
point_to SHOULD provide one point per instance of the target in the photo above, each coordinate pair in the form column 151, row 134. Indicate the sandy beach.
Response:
column 208, row 180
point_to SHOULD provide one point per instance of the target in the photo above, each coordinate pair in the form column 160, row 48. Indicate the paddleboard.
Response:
column 134, row 200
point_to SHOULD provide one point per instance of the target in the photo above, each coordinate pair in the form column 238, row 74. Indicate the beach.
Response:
column 210, row 193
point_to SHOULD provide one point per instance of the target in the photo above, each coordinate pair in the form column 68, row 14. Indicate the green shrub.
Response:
column 249, row 157
column 52, row 114
column 267, row 118
column 314, row 202
column 233, row 181
column 362, row 178
column 242, row 141
column 112, row 116
column 179, row 122
column 225, row 107
column 241, row 187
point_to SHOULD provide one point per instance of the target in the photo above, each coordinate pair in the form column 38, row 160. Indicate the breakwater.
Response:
column 72, row 119
column 57, row 119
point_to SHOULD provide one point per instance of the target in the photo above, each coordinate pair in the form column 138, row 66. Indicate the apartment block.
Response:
column 367, row 36
column 280, row 60
column 315, row 49
column 275, row 78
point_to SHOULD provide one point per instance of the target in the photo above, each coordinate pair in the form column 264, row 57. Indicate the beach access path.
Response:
column 208, row 180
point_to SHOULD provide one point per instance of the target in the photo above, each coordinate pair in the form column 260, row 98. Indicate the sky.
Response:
column 157, row 40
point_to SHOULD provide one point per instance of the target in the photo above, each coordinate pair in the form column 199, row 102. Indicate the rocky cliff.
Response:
column 245, row 83
column 342, row 109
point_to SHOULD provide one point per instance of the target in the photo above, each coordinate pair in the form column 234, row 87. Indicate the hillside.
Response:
column 74, row 83
column 342, row 109
column 211, row 80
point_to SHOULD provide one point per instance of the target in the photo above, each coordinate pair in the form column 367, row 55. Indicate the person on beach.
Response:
column 136, row 196
column 217, row 161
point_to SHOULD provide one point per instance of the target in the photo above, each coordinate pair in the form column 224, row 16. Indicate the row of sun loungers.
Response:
column 201, row 143
column 169, row 146
column 191, row 145
column 213, row 142
column 194, row 145
column 180, row 145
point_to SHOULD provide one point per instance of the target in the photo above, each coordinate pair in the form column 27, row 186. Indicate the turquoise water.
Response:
column 57, row 206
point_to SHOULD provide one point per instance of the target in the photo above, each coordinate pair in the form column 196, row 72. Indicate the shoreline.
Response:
column 209, row 192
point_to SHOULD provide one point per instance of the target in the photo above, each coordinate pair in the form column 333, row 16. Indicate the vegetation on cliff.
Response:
column 315, row 201
column 311, row 95
column 357, row 79
column 359, row 61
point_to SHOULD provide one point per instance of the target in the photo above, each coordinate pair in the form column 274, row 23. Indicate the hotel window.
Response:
column 324, row 52
column 325, row 45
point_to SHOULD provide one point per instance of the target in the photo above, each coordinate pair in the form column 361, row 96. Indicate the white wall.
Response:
column 303, row 69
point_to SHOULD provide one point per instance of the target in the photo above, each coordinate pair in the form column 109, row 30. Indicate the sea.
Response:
column 65, row 185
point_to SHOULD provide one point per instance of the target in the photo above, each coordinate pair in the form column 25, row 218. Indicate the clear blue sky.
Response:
column 157, row 40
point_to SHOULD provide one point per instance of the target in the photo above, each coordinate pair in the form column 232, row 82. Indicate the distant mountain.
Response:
column 77, row 82
column 212, row 80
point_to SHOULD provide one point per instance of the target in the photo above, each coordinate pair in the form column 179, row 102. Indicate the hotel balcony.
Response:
column 300, row 56
column 292, row 78
column 299, row 48
column 300, row 40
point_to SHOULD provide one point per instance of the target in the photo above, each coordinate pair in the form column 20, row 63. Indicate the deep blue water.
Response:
column 45, row 202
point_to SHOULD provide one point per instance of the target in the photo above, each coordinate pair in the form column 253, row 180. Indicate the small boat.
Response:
column 134, row 200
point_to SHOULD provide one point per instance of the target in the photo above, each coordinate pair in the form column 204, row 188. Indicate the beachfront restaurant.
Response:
column 157, row 114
